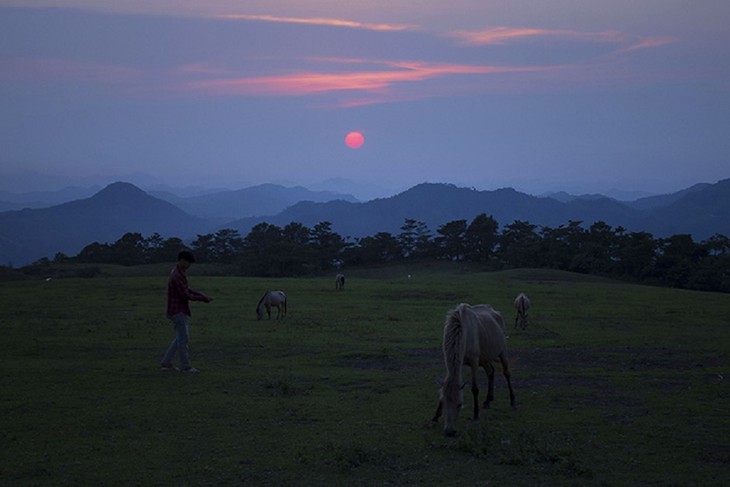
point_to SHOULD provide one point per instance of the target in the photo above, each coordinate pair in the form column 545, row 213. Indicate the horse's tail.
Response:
column 284, row 305
column 454, row 346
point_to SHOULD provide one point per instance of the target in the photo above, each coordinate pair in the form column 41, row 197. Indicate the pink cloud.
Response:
column 371, row 81
column 649, row 43
column 501, row 35
column 320, row 21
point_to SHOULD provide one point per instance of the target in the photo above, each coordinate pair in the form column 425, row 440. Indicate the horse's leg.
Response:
column 489, row 369
column 268, row 310
column 508, row 375
column 475, row 390
column 437, row 414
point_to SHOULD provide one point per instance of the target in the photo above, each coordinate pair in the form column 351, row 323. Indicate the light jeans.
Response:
column 180, row 343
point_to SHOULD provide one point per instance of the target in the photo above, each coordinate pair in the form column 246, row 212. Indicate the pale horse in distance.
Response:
column 473, row 336
column 522, row 304
column 340, row 281
column 272, row 299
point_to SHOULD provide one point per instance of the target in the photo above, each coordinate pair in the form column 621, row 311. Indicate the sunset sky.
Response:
column 575, row 95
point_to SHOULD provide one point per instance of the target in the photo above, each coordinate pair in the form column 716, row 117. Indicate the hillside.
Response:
column 264, row 199
column 701, row 211
column 30, row 234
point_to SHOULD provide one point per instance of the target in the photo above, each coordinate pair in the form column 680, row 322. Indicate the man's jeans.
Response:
column 180, row 343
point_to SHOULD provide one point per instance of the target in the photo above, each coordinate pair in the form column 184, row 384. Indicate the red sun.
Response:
column 354, row 140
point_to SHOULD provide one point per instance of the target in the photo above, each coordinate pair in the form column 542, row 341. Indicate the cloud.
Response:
column 364, row 81
column 320, row 21
column 501, row 35
column 648, row 43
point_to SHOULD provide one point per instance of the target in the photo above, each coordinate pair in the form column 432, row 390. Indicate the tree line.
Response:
column 295, row 250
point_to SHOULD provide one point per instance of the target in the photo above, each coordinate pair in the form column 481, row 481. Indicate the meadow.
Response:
column 616, row 384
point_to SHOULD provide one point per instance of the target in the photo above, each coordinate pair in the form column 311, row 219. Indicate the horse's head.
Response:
column 452, row 399
column 259, row 312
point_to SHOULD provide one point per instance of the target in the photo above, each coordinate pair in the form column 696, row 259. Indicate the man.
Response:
column 178, row 311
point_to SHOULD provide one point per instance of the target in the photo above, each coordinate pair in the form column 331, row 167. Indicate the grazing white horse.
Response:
column 272, row 299
column 472, row 337
column 522, row 304
column 340, row 281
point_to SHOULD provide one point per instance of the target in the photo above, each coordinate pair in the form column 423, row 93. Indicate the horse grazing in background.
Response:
column 522, row 304
column 340, row 281
column 472, row 337
column 272, row 299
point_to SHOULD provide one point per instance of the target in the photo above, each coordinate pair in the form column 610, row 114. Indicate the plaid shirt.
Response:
column 179, row 294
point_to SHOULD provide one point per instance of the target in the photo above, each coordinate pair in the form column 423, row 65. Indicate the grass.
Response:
column 616, row 384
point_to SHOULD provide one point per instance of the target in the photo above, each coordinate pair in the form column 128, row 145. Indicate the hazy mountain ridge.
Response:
column 29, row 234
column 436, row 204
column 260, row 200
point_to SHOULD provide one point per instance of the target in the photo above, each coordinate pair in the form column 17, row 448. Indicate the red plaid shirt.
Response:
column 179, row 294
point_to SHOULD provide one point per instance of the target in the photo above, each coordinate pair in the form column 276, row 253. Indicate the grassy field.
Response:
column 616, row 384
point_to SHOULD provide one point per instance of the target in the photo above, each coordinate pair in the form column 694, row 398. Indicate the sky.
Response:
column 582, row 96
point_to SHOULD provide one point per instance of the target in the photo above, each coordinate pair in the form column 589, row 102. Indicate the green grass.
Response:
column 616, row 384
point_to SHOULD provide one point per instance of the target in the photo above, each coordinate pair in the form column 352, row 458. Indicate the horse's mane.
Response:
column 454, row 337
column 262, row 299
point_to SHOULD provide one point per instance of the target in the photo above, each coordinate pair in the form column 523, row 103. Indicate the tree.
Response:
column 129, row 250
column 451, row 242
column 561, row 245
column 95, row 253
column 636, row 255
column 326, row 245
column 414, row 239
column 678, row 256
column 297, row 256
column 481, row 238
column 519, row 245
column 598, row 252
column 164, row 250
column 380, row 248
column 261, row 254
column 204, row 248
column 226, row 245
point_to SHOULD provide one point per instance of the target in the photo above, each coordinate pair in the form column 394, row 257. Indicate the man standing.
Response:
column 178, row 311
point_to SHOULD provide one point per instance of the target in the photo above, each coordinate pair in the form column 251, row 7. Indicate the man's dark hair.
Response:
column 187, row 255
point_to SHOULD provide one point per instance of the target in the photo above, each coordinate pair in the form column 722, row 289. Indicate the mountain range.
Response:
column 29, row 234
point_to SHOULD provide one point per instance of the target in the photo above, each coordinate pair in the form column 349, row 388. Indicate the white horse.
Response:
column 471, row 337
column 522, row 304
column 340, row 281
column 275, row 299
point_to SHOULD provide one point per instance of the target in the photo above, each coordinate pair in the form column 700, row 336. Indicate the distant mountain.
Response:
column 659, row 201
column 564, row 197
column 700, row 212
column 30, row 234
column 264, row 199
column 436, row 204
